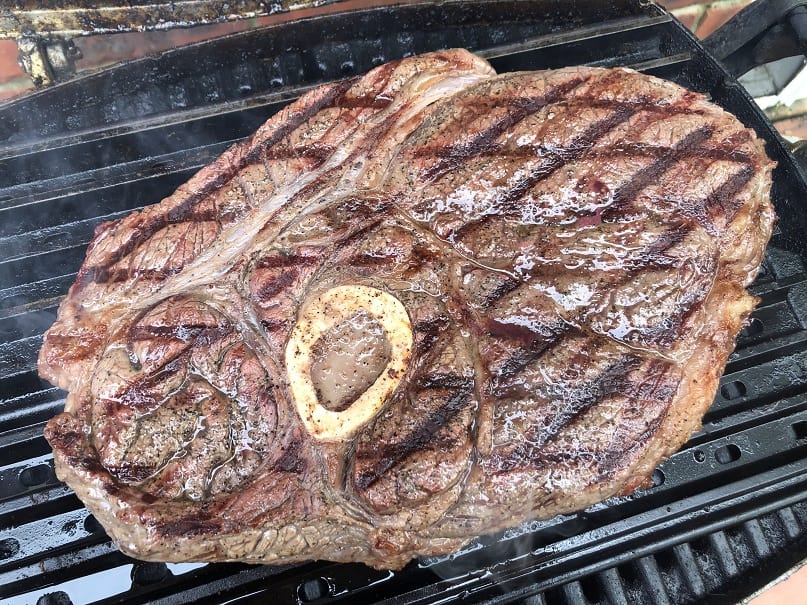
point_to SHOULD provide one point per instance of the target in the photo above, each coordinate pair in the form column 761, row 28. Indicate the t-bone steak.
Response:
column 416, row 306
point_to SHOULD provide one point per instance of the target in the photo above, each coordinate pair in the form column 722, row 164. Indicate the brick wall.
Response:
column 704, row 17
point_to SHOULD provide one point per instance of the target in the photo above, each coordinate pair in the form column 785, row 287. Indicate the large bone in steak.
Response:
column 414, row 307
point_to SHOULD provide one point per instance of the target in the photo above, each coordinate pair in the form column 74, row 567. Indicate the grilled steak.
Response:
column 414, row 307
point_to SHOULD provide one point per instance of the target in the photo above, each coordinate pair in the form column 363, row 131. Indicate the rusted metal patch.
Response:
column 69, row 18
column 43, row 28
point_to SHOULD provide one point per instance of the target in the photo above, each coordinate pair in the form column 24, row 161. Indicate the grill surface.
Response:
column 725, row 515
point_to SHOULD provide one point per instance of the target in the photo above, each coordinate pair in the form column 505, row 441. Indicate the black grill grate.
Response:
column 725, row 514
column 721, row 567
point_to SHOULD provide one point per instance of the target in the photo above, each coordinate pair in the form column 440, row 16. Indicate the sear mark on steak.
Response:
column 415, row 306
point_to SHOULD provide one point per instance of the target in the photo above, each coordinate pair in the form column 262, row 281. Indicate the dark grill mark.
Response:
column 719, row 202
column 554, row 160
column 451, row 156
column 621, row 150
column 281, row 260
column 611, row 460
column 522, row 357
column 185, row 209
column 530, row 338
column 274, row 286
column 517, row 361
column 381, row 77
column 417, row 439
column 579, row 399
column 271, row 325
column 93, row 465
column 329, row 99
column 723, row 199
column 367, row 259
column 364, row 102
column 292, row 460
column 653, row 387
column 654, row 255
column 137, row 394
column 668, row 331
column 558, row 158
column 356, row 232
column 639, row 104
column 132, row 473
column 121, row 274
column 427, row 333
column 525, row 456
column 203, row 215
column 503, row 289
column 650, row 173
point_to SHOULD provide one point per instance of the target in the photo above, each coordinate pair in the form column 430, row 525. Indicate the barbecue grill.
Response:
column 723, row 517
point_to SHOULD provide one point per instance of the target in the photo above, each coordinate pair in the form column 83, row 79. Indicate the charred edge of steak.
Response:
column 417, row 439
column 185, row 210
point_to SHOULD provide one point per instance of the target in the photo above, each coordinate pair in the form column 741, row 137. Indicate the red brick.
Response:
column 16, row 87
column 793, row 127
column 789, row 590
column 9, row 69
column 717, row 14
column 690, row 16
column 676, row 4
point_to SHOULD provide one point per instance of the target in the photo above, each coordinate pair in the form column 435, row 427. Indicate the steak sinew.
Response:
column 414, row 307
